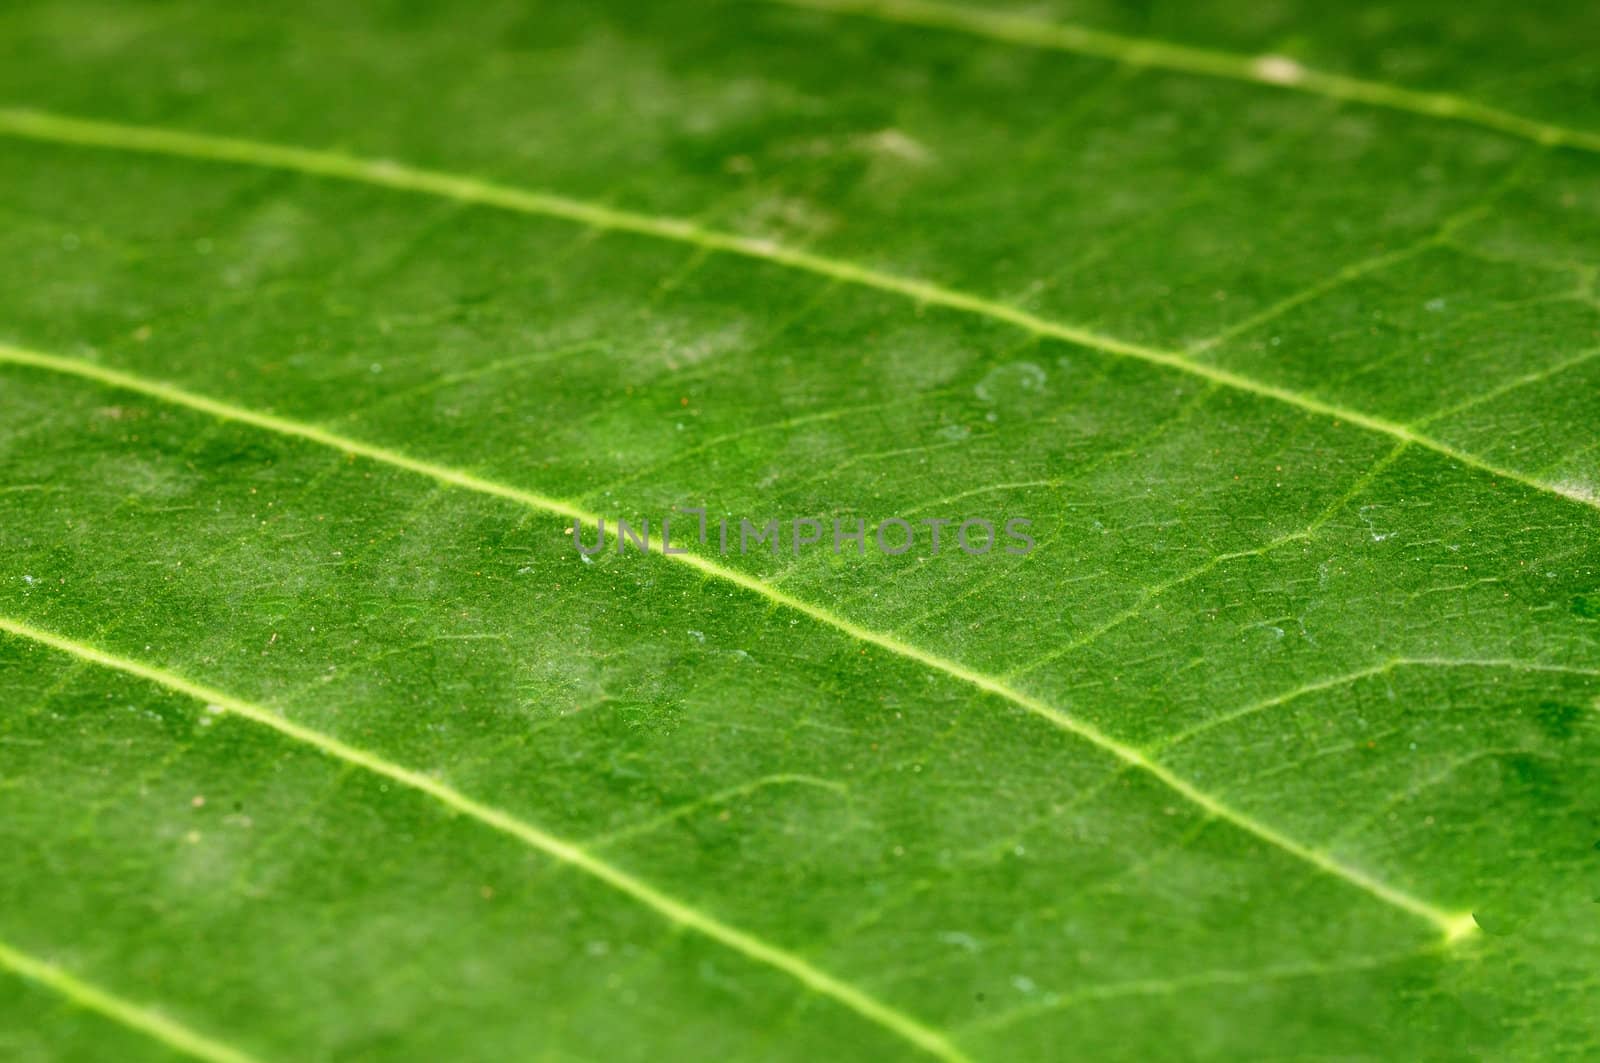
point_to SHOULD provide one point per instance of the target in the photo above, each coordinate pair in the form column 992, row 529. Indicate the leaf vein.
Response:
column 1371, row 671
column 1451, row 924
column 60, row 129
column 137, row 1017
column 559, row 849
column 1276, row 71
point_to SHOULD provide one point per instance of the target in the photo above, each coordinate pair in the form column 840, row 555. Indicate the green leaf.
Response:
column 324, row 325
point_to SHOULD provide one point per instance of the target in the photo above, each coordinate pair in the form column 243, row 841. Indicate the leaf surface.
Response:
column 321, row 740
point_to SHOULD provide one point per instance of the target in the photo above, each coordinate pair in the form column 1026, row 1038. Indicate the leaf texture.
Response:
column 326, row 323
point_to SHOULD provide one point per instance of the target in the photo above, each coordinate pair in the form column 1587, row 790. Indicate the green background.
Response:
column 1299, row 391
